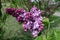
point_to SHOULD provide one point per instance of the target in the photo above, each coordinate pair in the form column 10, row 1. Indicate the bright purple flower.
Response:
column 41, row 28
column 28, row 25
column 18, row 12
column 20, row 18
column 33, row 26
column 25, row 27
column 20, row 15
column 35, row 33
column 28, row 16
column 33, row 9
column 36, row 25
column 36, row 13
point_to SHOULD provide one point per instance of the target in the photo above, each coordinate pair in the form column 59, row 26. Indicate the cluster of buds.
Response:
column 31, row 20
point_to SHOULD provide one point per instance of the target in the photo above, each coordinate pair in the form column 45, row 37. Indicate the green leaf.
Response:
column 39, row 38
column 45, row 21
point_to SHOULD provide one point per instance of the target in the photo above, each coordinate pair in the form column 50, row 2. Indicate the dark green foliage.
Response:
column 0, row 9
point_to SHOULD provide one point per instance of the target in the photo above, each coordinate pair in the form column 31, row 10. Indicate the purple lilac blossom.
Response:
column 20, row 14
column 28, row 16
column 35, row 33
column 32, row 20
column 37, row 24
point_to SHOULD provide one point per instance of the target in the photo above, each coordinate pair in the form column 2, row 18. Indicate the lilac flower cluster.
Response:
column 31, row 20
column 18, row 13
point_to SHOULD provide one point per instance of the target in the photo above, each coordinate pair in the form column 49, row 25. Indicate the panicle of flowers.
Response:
column 31, row 20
